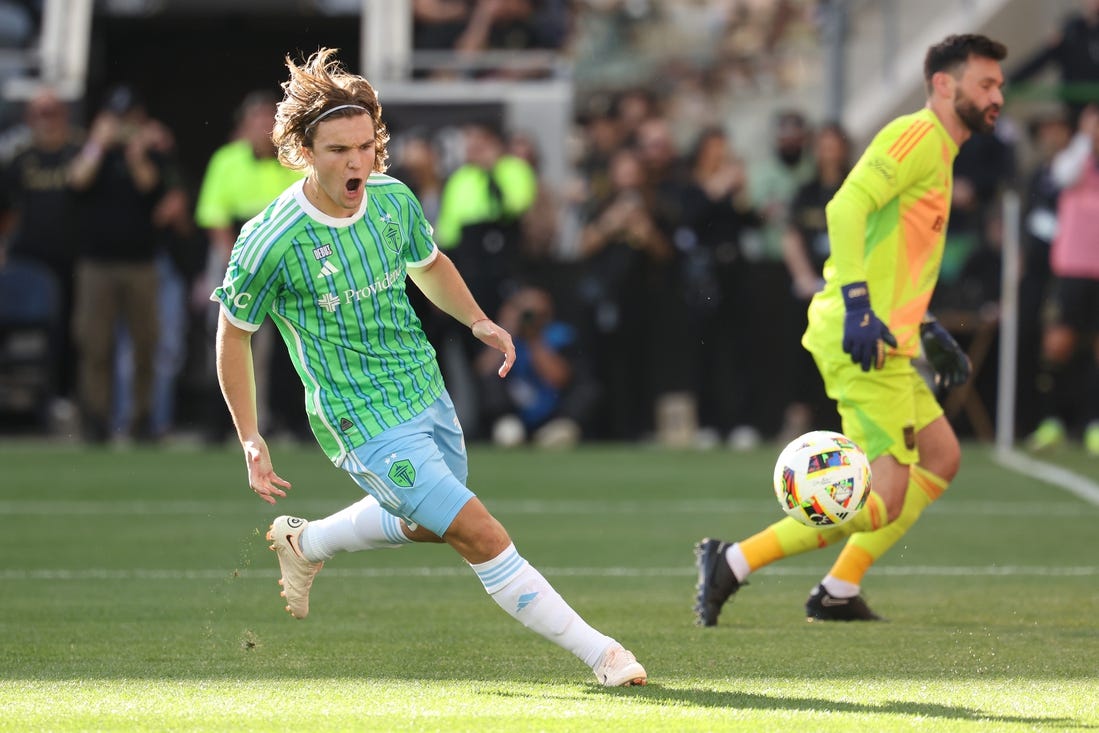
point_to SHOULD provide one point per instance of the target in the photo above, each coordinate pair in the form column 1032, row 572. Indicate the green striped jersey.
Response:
column 335, row 289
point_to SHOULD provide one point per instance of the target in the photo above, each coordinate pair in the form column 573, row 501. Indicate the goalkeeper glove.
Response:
column 951, row 364
column 864, row 335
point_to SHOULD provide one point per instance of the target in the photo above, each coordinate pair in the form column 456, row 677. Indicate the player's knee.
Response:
column 944, row 462
column 416, row 533
column 893, row 506
column 891, row 489
column 889, row 483
column 475, row 534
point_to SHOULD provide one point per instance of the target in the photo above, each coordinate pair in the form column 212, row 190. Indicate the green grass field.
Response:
column 138, row 594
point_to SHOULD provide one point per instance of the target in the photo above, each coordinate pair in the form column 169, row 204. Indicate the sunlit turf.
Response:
column 138, row 594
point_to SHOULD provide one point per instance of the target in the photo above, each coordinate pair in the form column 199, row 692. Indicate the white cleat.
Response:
column 297, row 572
column 619, row 668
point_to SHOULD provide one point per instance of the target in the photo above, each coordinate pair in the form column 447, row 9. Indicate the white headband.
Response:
column 324, row 114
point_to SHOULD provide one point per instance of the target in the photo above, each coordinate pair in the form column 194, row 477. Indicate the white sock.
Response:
column 839, row 588
column 737, row 562
column 521, row 590
column 362, row 526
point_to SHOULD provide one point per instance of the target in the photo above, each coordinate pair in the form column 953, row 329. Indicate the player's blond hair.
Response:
column 316, row 89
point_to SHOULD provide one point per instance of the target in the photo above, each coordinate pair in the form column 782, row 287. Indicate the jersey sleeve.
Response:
column 886, row 168
column 252, row 282
column 421, row 248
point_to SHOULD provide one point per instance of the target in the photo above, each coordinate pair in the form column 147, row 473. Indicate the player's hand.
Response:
column 864, row 334
column 261, row 474
column 951, row 364
column 491, row 334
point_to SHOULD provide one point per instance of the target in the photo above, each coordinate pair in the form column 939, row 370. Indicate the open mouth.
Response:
column 353, row 185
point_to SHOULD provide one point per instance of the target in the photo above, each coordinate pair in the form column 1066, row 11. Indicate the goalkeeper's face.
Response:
column 978, row 94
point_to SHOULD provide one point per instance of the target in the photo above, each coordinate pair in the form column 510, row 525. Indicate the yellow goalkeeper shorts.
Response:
column 882, row 410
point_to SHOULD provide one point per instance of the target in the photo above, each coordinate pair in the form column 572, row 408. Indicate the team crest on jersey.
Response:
column 403, row 473
column 325, row 250
column 391, row 233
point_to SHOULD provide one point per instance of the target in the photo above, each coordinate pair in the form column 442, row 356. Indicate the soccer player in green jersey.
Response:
column 327, row 261
column 886, row 225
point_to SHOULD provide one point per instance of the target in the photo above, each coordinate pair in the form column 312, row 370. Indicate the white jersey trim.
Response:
column 313, row 212
column 426, row 260
column 381, row 179
column 241, row 324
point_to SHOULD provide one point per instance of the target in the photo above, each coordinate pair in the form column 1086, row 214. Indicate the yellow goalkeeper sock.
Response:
column 788, row 537
column 865, row 547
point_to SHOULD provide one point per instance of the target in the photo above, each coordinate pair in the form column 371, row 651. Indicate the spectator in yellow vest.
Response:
column 242, row 177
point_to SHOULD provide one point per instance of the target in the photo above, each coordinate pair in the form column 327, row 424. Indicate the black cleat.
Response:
column 824, row 607
column 716, row 581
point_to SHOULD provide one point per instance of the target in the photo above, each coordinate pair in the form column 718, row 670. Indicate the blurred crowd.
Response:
column 658, row 293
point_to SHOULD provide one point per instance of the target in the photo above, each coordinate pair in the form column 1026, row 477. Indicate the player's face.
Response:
column 978, row 95
column 342, row 156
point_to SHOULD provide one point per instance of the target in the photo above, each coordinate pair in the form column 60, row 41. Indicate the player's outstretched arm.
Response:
column 238, row 386
column 443, row 285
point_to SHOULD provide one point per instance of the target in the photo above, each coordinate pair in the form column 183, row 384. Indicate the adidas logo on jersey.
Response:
column 327, row 270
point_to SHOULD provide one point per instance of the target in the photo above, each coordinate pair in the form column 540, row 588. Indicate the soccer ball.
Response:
column 822, row 478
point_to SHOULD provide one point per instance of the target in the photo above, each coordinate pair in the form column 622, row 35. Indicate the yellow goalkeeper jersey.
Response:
column 887, row 226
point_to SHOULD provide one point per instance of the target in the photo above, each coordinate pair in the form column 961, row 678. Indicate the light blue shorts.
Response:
column 417, row 470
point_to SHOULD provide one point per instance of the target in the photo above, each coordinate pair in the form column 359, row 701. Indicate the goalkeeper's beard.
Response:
column 973, row 117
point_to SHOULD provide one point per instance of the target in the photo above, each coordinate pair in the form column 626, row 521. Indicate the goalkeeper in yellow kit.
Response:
column 886, row 225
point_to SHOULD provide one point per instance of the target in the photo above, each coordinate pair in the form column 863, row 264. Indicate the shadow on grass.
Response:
column 752, row 701
column 653, row 693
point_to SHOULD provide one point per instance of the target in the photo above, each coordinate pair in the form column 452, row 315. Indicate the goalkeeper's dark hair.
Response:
column 951, row 54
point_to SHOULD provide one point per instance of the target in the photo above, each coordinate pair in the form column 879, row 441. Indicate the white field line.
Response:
column 1074, row 483
column 959, row 507
column 64, row 574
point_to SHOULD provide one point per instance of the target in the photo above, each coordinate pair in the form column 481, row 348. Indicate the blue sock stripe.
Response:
column 386, row 526
column 501, row 568
column 499, row 574
column 390, row 527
